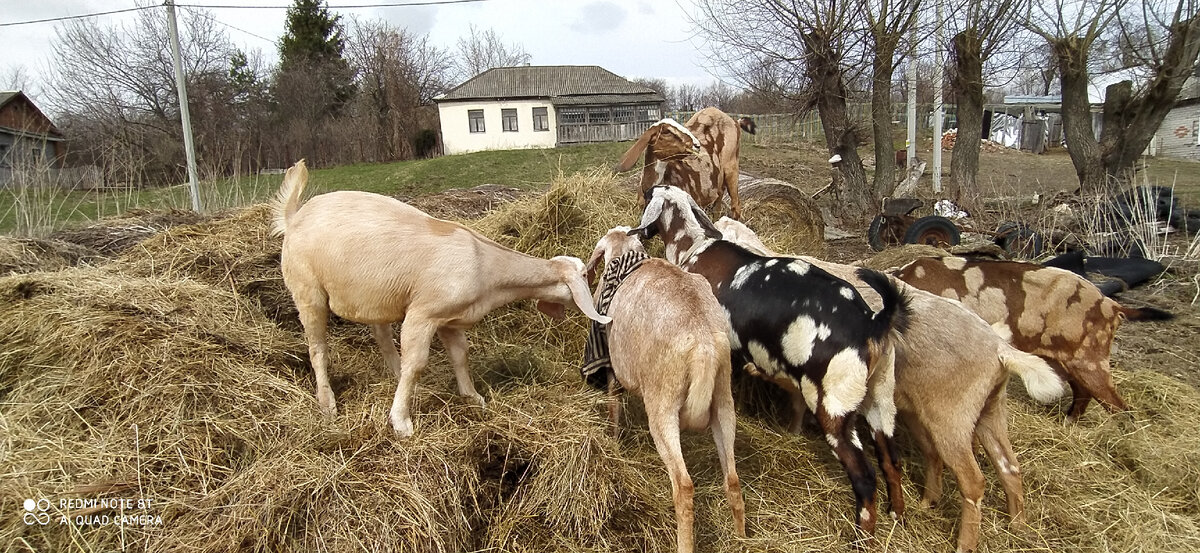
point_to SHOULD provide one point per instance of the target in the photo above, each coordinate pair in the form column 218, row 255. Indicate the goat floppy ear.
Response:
column 631, row 155
column 710, row 231
column 649, row 217
column 583, row 298
column 591, row 264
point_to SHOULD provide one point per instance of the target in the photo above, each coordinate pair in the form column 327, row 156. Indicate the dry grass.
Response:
column 164, row 374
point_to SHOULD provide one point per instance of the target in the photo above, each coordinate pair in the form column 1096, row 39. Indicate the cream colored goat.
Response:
column 951, row 379
column 669, row 344
column 375, row 260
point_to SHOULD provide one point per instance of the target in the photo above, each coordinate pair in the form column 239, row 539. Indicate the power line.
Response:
column 209, row 17
column 235, row 6
column 333, row 7
column 67, row 17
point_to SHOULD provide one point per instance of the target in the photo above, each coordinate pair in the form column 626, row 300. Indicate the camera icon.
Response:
column 35, row 512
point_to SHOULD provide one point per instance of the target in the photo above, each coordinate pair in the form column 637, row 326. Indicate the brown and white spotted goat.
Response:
column 682, row 375
column 805, row 330
column 700, row 156
column 950, row 389
column 1051, row 313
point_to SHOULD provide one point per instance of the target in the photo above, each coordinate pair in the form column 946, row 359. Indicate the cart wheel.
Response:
column 875, row 233
column 1018, row 240
column 932, row 230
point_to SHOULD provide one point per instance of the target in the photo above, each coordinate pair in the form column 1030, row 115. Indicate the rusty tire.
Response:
column 932, row 231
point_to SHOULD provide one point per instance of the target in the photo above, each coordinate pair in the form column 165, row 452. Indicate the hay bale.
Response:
column 901, row 255
column 234, row 251
column 180, row 392
column 784, row 217
column 24, row 255
column 114, row 235
column 230, row 443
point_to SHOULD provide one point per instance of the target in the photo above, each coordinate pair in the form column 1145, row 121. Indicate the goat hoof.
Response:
column 928, row 503
column 478, row 400
column 327, row 403
column 402, row 427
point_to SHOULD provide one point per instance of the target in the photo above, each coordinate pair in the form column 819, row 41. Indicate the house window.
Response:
column 4, row 155
column 475, row 118
column 508, row 120
column 541, row 119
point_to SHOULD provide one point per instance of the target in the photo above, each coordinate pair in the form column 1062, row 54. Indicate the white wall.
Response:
column 457, row 137
column 1173, row 145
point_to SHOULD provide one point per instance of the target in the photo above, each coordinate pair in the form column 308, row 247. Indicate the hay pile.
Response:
column 784, row 217
column 158, row 376
column 900, row 256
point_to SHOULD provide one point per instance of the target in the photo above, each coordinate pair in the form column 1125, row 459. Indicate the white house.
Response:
column 543, row 106
column 1179, row 135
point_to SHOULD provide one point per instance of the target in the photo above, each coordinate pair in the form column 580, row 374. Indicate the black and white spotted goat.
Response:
column 803, row 329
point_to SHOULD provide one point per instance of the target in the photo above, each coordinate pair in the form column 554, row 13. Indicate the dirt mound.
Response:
column 115, row 235
column 467, row 203
column 24, row 255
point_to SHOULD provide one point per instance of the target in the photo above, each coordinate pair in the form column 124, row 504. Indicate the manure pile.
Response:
column 177, row 373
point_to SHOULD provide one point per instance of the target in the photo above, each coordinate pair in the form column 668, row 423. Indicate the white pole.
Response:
column 939, row 111
column 181, row 86
column 912, row 100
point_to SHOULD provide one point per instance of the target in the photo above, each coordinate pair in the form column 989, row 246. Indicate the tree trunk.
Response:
column 881, row 119
column 1130, row 121
column 850, row 185
column 1072, row 57
column 968, row 87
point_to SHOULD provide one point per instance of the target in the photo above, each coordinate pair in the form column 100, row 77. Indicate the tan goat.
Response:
column 713, row 136
column 682, row 375
column 375, row 260
column 949, row 386
column 1054, row 314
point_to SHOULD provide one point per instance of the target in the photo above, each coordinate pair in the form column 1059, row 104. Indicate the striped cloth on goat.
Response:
column 596, row 363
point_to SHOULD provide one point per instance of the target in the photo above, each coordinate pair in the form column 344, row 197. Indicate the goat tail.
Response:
column 1146, row 314
column 896, row 311
column 1041, row 382
column 287, row 201
column 697, row 407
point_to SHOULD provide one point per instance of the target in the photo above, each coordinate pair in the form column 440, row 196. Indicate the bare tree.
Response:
column 686, row 97
column 1160, row 39
column 888, row 22
column 399, row 73
column 981, row 29
column 118, row 82
column 483, row 50
column 805, row 47
column 719, row 95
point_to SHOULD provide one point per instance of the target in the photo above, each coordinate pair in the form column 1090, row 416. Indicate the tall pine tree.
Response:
column 312, row 44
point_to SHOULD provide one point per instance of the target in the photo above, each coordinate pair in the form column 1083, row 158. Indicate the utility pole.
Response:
column 939, row 110
column 181, row 87
column 912, row 100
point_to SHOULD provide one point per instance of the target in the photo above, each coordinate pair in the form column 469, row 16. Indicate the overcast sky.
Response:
column 632, row 38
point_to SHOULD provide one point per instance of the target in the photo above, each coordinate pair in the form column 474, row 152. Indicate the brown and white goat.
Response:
column 1054, row 314
column 682, row 376
column 807, row 330
column 713, row 137
column 948, row 387
column 376, row 260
